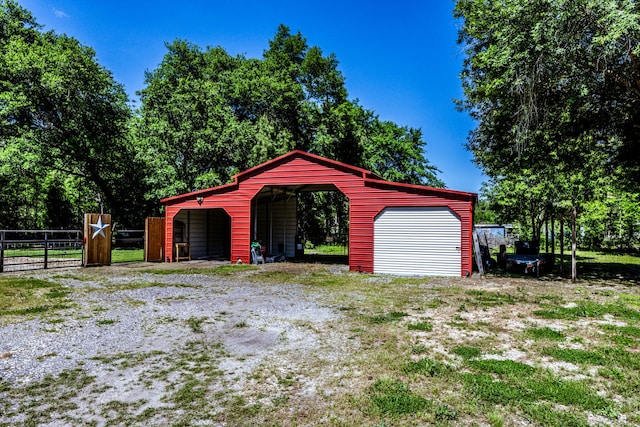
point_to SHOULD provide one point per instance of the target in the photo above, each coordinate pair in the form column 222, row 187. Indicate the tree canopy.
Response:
column 555, row 82
column 206, row 115
column 555, row 88
column 69, row 142
column 63, row 125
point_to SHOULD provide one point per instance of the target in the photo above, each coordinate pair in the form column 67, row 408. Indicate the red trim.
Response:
column 300, row 153
column 204, row 193
column 421, row 188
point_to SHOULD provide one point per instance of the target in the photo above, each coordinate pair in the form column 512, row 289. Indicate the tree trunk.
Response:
column 553, row 236
column 562, row 246
column 574, row 264
column 546, row 235
column 553, row 239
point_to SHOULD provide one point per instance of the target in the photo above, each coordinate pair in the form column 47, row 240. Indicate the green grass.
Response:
column 392, row 397
column 588, row 309
column 119, row 255
column 393, row 366
column 467, row 352
column 229, row 270
column 600, row 356
column 630, row 331
column 576, row 356
column 28, row 297
column 508, row 368
column 603, row 259
column 71, row 253
column 490, row 298
column 133, row 285
column 420, row 326
column 387, row 317
column 544, row 333
column 531, row 388
column 425, row 366
column 195, row 324
column 605, row 265
column 329, row 250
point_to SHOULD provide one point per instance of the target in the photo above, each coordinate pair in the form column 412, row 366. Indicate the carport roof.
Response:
column 368, row 177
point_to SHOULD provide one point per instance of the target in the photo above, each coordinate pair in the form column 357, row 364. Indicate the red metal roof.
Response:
column 366, row 175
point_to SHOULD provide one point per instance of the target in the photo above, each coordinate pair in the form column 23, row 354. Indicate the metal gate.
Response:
column 38, row 249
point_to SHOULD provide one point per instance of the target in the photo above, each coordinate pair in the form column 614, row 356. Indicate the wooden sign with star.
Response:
column 97, row 239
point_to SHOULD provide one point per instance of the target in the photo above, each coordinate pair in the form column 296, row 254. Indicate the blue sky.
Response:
column 399, row 59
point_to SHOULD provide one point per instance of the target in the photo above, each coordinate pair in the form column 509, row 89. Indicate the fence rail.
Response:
column 38, row 249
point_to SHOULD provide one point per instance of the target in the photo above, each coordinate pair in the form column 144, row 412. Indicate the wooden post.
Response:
column 154, row 239
column 46, row 249
column 546, row 235
column 553, row 236
column 553, row 241
column 1, row 251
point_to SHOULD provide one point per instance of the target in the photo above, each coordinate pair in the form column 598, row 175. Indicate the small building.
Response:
column 394, row 228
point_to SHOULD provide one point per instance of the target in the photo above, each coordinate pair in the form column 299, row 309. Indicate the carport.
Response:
column 393, row 227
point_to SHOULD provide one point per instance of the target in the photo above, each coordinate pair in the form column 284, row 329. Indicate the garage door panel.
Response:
column 417, row 241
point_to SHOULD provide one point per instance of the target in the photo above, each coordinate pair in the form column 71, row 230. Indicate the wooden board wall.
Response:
column 97, row 251
column 154, row 239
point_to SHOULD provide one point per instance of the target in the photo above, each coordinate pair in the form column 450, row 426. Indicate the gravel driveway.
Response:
column 135, row 339
column 304, row 344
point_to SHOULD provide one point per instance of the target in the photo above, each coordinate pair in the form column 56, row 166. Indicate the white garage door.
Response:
column 417, row 241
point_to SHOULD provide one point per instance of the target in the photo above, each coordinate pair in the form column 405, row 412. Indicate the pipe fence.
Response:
column 40, row 249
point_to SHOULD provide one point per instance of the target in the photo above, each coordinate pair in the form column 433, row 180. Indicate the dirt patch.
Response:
column 138, row 334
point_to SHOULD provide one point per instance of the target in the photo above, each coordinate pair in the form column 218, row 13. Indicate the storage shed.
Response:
column 393, row 227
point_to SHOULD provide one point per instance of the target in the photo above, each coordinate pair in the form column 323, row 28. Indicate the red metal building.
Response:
column 393, row 228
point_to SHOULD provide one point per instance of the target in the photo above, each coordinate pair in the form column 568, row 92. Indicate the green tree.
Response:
column 613, row 222
column 206, row 115
column 553, row 86
column 63, row 112
column 544, row 77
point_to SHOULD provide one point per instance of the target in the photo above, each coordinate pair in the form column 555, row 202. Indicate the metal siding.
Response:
column 417, row 241
column 369, row 202
column 197, row 233
column 284, row 226
column 366, row 198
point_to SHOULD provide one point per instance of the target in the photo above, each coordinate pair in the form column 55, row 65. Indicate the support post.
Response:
column 546, row 235
column 574, row 263
column 1, row 251
column 553, row 237
column 476, row 247
column 46, row 249
column 562, row 246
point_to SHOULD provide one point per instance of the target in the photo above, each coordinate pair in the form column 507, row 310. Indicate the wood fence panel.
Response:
column 154, row 239
column 97, row 235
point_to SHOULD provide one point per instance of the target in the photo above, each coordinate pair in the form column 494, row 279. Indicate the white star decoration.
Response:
column 99, row 228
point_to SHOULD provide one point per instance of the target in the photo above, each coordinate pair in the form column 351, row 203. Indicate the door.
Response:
column 154, row 239
column 417, row 241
